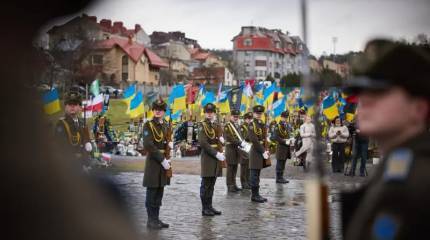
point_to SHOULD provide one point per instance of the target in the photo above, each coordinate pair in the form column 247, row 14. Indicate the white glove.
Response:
column 220, row 156
column 221, row 139
column 171, row 145
column 266, row 155
column 165, row 164
column 287, row 142
column 268, row 139
column 243, row 144
column 88, row 147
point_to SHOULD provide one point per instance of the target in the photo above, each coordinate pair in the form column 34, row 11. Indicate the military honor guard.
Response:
column 259, row 153
column 234, row 142
column 244, row 156
column 281, row 136
column 211, row 159
column 72, row 131
column 155, row 178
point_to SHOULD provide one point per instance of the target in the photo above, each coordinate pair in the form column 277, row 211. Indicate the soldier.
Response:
column 258, row 153
column 282, row 138
column 156, row 165
column 211, row 157
column 102, row 132
column 393, row 204
column 71, row 129
column 244, row 157
column 232, row 150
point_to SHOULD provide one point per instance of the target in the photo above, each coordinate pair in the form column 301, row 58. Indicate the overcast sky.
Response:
column 215, row 22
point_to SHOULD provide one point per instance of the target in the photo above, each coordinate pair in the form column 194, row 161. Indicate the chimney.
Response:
column 117, row 25
column 92, row 19
column 106, row 23
column 130, row 39
column 137, row 27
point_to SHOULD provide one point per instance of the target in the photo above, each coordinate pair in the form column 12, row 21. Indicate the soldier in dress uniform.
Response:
column 244, row 157
column 393, row 78
column 258, row 153
column 156, row 165
column 232, row 150
column 210, row 159
column 282, row 138
column 71, row 129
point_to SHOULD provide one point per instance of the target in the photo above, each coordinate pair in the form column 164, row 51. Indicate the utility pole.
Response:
column 334, row 39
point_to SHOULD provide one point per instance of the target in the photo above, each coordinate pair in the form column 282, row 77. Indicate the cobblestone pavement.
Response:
column 282, row 217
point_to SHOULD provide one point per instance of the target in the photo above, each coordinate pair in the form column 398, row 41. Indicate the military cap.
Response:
column 159, row 105
column 386, row 64
column 258, row 109
column 235, row 112
column 248, row 115
column 210, row 107
column 284, row 114
column 73, row 98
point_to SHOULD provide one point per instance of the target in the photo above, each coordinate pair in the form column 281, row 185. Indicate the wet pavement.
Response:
column 282, row 217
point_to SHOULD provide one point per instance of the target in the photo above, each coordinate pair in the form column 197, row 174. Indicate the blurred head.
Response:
column 337, row 122
column 308, row 119
column 383, row 113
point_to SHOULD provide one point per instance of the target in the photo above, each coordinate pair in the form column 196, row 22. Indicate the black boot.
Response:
column 205, row 208
column 255, row 196
column 237, row 188
column 152, row 221
column 280, row 178
column 162, row 224
column 245, row 185
column 216, row 212
column 232, row 189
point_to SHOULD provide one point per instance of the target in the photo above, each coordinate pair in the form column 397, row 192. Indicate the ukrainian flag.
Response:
column 136, row 106
column 223, row 103
column 129, row 94
column 278, row 107
column 51, row 102
column 177, row 98
column 209, row 97
column 268, row 94
column 176, row 116
column 330, row 109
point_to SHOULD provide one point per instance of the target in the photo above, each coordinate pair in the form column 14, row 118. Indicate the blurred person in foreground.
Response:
column 392, row 83
column 44, row 195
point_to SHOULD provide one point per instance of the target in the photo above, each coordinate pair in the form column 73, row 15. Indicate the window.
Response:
column 97, row 59
column 247, row 42
column 124, row 61
column 260, row 63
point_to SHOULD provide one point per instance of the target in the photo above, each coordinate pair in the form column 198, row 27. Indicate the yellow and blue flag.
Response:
column 223, row 103
column 278, row 107
column 51, row 102
column 136, row 106
column 268, row 94
column 208, row 97
column 329, row 107
column 177, row 98
column 129, row 94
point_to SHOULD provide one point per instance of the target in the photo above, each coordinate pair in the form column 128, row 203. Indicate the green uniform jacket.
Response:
column 244, row 130
column 280, row 135
column 154, row 142
column 210, row 166
column 232, row 151
column 256, row 136
column 77, row 137
column 395, row 201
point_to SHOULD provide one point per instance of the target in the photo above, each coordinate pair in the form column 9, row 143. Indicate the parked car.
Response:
column 111, row 90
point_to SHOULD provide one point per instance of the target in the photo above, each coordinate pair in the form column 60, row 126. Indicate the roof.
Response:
column 134, row 50
column 154, row 59
column 201, row 55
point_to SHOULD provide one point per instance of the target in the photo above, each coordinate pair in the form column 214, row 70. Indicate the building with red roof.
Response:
column 259, row 52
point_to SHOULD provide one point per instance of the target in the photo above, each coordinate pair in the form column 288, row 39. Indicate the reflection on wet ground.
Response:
column 282, row 217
